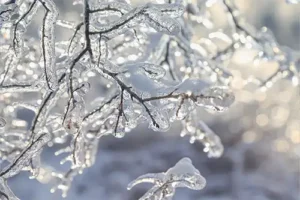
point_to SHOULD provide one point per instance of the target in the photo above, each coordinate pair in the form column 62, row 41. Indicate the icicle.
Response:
column 199, row 131
column 64, row 181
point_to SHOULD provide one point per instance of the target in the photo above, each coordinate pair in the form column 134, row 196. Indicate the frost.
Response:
column 183, row 174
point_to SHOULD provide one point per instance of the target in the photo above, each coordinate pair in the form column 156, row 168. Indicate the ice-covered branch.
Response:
column 183, row 174
column 121, row 65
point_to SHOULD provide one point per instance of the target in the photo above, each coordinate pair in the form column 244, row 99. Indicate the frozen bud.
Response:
column 211, row 141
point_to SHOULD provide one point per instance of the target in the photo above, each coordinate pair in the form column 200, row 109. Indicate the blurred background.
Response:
column 260, row 133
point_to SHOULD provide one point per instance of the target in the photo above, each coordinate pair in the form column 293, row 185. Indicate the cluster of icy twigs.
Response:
column 112, row 51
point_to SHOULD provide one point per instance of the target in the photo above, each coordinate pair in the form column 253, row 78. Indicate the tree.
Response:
column 142, row 63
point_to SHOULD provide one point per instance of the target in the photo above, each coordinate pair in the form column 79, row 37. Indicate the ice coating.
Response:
column 183, row 174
